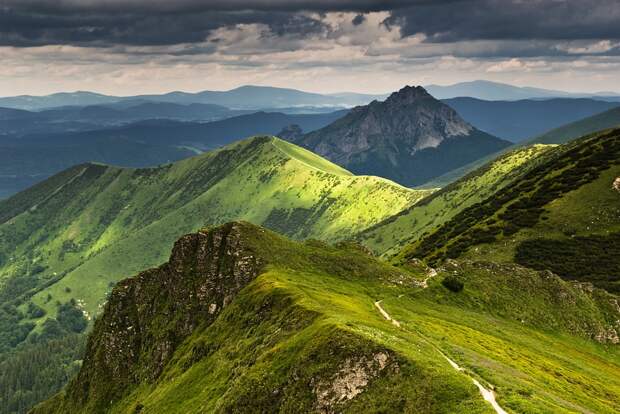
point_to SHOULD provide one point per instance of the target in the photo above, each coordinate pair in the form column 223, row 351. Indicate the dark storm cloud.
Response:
column 161, row 22
column 511, row 20
column 108, row 23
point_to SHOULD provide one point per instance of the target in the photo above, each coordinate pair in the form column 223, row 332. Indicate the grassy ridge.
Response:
column 508, row 327
column 95, row 224
column 569, row 195
column 390, row 235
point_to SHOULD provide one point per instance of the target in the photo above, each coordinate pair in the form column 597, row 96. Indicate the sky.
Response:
column 128, row 47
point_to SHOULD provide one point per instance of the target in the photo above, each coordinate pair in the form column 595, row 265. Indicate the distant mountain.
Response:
column 495, row 91
column 410, row 138
column 28, row 159
column 522, row 119
column 565, row 133
column 79, row 98
column 562, row 135
column 244, row 97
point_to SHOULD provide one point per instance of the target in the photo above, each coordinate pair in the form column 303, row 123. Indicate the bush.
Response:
column 71, row 318
column 34, row 311
column 453, row 284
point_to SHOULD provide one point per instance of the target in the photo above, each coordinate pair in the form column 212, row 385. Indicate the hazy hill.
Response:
column 243, row 320
column 495, row 91
column 598, row 122
column 561, row 135
column 244, row 97
column 519, row 120
column 410, row 138
column 29, row 159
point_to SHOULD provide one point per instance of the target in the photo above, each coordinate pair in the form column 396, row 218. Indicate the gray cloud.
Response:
column 379, row 42
column 512, row 20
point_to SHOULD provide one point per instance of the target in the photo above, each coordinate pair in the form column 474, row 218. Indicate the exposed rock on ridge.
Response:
column 148, row 316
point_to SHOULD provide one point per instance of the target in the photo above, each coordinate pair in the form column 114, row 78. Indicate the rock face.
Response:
column 410, row 138
column 149, row 315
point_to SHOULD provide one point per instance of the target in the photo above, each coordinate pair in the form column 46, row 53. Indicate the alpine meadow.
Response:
column 324, row 207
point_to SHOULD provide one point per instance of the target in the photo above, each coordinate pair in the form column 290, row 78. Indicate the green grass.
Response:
column 567, row 195
column 309, row 318
column 389, row 236
column 94, row 225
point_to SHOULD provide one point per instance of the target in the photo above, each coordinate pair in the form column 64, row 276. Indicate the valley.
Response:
column 491, row 288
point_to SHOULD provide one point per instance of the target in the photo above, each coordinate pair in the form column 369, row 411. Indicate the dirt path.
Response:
column 386, row 315
column 487, row 394
column 429, row 274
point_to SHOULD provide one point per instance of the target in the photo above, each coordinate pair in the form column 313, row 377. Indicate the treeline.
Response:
column 38, row 368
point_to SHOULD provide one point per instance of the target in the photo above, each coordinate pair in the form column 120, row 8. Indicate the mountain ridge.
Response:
column 402, row 138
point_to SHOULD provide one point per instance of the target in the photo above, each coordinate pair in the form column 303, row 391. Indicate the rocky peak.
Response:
column 148, row 316
column 409, row 95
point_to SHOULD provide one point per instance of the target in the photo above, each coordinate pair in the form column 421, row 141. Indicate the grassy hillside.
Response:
column 563, row 215
column 271, row 325
column 83, row 230
column 65, row 242
column 562, row 135
column 589, row 125
column 390, row 235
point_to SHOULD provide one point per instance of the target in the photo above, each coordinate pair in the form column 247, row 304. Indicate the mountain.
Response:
column 519, row 120
column 410, row 138
column 564, row 134
column 25, row 160
column 561, row 215
column 589, row 125
column 388, row 237
column 244, row 97
column 495, row 91
column 65, row 242
column 78, row 98
column 243, row 320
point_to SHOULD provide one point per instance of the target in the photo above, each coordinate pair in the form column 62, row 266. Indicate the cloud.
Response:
column 158, row 44
column 511, row 20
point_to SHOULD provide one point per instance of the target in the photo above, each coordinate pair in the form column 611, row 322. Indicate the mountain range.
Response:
column 495, row 91
column 25, row 160
column 244, row 97
column 410, row 138
column 250, row 97
column 268, row 278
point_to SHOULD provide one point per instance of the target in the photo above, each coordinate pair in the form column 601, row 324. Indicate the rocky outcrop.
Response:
column 148, row 316
column 351, row 380
column 291, row 133
column 410, row 138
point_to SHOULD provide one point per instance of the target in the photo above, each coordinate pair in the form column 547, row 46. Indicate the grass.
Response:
column 391, row 235
column 94, row 225
column 508, row 327
column 568, row 194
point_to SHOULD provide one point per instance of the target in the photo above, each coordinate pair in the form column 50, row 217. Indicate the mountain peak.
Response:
column 386, row 138
column 409, row 95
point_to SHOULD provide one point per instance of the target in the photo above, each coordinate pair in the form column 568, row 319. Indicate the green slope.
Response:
column 65, row 242
column 562, row 135
column 81, row 231
column 242, row 320
column 390, row 235
column 563, row 215
column 589, row 125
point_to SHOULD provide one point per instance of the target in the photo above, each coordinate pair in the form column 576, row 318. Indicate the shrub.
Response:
column 453, row 284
